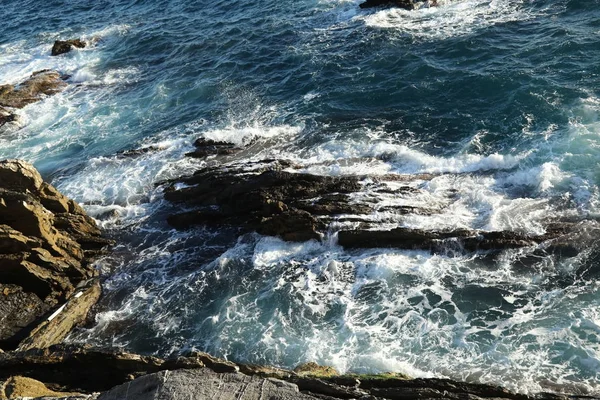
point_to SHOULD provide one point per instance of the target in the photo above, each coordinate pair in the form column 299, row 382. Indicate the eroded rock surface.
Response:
column 65, row 46
column 47, row 243
column 39, row 84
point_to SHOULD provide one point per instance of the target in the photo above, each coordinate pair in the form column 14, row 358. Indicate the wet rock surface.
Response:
column 273, row 198
column 6, row 117
column 39, row 84
column 207, row 147
column 65, row 46
column 47, row 243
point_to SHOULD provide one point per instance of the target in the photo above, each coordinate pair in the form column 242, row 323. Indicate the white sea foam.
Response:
column 451, row 18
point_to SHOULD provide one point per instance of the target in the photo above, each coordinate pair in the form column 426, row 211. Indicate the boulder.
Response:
column 65, row 46
column 39, row 84
column 47, row 244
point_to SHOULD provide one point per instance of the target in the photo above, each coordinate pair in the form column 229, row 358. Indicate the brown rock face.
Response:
column 65, row 46
column 46, row 245
column 39, row 84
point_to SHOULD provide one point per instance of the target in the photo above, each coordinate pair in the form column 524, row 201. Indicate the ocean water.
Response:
column 498, row 98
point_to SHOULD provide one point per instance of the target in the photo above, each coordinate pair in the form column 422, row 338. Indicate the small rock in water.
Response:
column 65, row 46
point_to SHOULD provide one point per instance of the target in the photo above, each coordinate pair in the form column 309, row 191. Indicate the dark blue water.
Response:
column 500, row 97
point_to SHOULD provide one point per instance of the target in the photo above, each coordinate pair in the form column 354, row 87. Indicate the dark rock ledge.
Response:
column 272, row 198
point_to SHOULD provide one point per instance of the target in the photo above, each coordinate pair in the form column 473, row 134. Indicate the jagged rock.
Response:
column 46, row 242
column 268, row 200
column 208, row 147
column 314, row 369
column 39, row 84
column 196, row 376
column 6, row 117
column 205, row 384
column 65, row 46
column 62, row 321
column 470, row 240
column 18, row 387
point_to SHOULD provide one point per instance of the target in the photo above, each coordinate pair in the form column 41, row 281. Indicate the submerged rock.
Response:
column 65, row 46
column 39, row 84
column 47, row 243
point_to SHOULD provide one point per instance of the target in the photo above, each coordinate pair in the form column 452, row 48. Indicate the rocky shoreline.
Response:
column 49, row 285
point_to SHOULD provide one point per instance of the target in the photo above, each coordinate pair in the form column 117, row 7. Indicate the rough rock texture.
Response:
column 207, row 147
column 269, row 200
column 6, row 117
column 437, row 241
column 39, row 84
column 314, row 369
column 273, row 198
column 204, row 384
column 65, row 46
column 46, row 245
column 18, row 387
column 73, row 369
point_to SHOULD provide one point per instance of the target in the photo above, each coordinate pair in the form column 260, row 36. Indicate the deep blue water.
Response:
column 500, row 96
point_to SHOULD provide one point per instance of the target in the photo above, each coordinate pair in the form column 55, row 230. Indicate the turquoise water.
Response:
column 500, row 97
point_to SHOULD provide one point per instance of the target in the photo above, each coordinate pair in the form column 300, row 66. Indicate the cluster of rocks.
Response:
column 86, row 373
column 272, row 198
column 39, row 85
column 47, row 243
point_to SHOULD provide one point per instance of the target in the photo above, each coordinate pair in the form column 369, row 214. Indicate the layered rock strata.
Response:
column 47, row 243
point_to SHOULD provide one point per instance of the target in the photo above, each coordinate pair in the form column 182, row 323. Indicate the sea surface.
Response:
column 499, row 98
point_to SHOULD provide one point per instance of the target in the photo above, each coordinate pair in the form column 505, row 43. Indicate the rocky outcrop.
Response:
column 273, row 198
column 39, row 84
column 47, row 243
column 65, row 46
column 208, row 147
column 437, row 241
column 199, row 376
